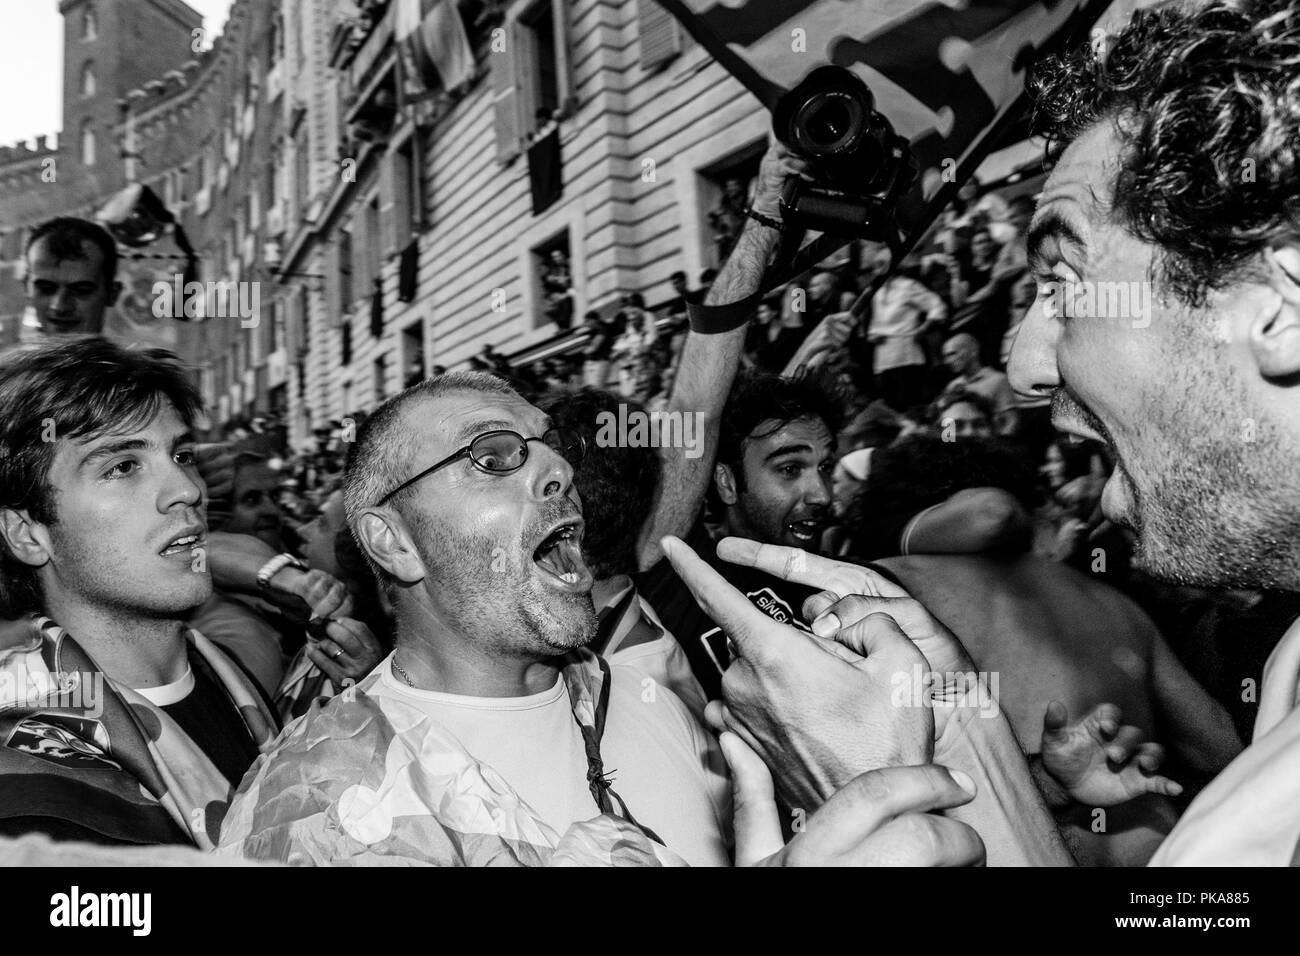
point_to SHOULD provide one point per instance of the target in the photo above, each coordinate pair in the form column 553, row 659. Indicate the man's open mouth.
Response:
column 806, row 531
column 183, row 544
column 559, row 557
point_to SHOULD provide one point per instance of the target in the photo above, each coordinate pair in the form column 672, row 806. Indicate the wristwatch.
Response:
column 274, row 567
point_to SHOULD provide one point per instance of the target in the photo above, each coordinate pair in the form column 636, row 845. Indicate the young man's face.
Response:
column 1204, row 444
column 129, row 516
column 255, row 510
column 964, row 420
column 787, row 484
column 496, row 549
column 69, row 295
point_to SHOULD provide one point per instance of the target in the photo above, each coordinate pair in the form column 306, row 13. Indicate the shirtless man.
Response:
column 1050, row 633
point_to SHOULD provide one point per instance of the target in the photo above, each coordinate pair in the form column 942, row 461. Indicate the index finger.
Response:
column 803, row 567
column 730, row 609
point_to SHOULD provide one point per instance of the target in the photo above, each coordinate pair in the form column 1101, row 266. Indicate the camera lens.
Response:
column 828, row 122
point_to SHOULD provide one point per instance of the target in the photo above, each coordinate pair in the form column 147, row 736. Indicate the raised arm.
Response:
column 709, row 362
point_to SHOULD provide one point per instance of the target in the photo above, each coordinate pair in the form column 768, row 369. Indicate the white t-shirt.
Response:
column 666, row 767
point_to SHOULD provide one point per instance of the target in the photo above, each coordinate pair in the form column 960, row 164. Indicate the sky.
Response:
column 31, row 64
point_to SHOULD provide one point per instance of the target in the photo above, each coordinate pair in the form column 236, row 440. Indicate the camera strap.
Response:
column 716, row 319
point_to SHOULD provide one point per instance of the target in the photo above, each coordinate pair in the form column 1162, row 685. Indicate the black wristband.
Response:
column 716, row 319
column 762, row 220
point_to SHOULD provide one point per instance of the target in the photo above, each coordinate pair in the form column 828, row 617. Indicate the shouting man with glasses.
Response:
column 491, row 734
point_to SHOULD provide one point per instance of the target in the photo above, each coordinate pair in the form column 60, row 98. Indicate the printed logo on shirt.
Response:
column 719, row 647
column 63, row 739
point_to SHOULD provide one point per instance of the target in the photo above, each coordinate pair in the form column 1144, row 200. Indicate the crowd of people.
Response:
column 882, row 612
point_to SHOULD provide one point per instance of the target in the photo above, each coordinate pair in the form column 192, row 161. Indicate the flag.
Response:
column 944, row 74
column 433, row 45
column 153, row 249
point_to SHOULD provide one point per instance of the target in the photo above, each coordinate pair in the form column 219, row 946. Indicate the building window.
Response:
column 89, row 24
column 541, row 67
column 300, row 170
column 275, row 44
column 345, row 342
column 88, row 86
column 304, row 320
column 552, row 280
column 87, row 144
column 346, row 293
column 724, row 196
column 277, row 325
column 413, row 354
column 375, row 253
column 381, row 378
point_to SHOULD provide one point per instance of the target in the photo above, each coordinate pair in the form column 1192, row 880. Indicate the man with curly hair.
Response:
column 1178, row 170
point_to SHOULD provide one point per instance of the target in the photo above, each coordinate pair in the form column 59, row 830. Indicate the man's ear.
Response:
column 725, row 481
column 1274, row 337
column 27, row 540
column 385, row 537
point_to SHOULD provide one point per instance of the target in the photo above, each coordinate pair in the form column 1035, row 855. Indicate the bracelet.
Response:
column 763, row 220
column 274, row 567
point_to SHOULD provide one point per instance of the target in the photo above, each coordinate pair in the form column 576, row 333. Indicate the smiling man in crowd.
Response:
column 772, row 480
column 119, row 724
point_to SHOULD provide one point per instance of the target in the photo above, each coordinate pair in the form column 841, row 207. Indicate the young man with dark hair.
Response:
column 71, row 275
column 123, row 725
column 772, row 484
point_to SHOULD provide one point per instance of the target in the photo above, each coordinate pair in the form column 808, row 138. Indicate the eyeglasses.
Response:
column 503, row 452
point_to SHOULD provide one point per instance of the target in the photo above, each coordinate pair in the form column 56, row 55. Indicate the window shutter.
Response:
column 505, row 94
column 293, row 325
column 395, row 201
column 334, row 267
column 360, row 258
column 563, row 57
column 388, row 225
column 661, row 34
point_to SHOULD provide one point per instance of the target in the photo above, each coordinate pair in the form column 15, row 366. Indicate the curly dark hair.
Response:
column 1206, row 102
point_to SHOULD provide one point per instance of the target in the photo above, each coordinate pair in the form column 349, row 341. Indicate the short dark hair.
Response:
column 923, row 470
column 759, row 397
column 948, row 400
column 80, row 388
column 1199, row 93
column 66, row 236
column 617, row 482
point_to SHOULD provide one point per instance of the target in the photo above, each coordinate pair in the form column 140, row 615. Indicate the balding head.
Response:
column 489, row 561
column 961, row 353
column 385, row 449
